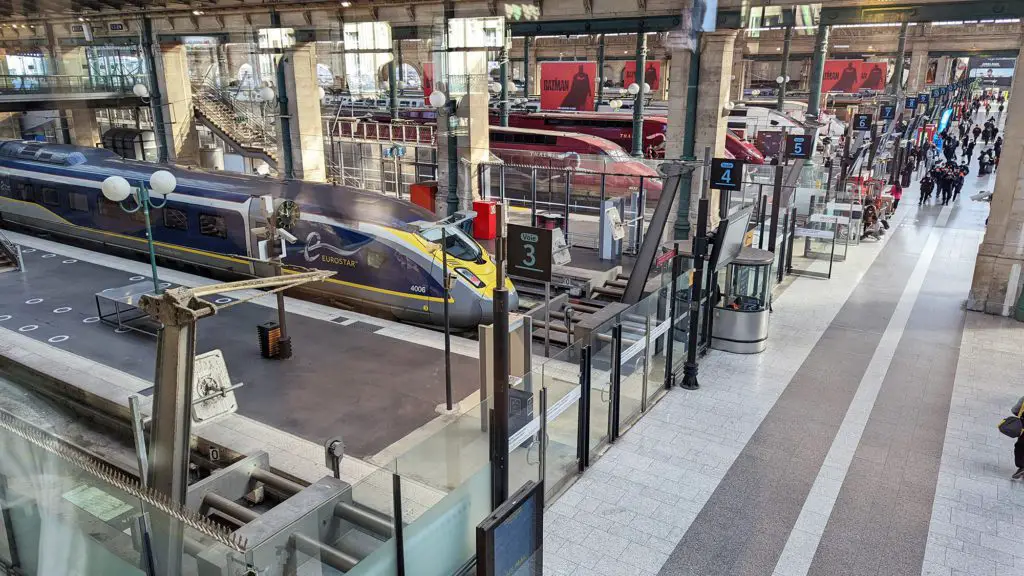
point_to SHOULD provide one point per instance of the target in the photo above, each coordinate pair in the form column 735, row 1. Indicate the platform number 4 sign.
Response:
column 726, row 174
column 862, row 122
column 799, row 146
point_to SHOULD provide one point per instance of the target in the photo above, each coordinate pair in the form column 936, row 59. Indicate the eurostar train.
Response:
column 386, row 252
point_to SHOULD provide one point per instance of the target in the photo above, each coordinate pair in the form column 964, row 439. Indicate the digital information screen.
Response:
column 509, row 540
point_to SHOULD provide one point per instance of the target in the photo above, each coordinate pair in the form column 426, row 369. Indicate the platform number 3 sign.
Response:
column 726, row 174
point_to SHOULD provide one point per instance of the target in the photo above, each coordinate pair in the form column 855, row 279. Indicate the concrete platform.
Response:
column 348, row 375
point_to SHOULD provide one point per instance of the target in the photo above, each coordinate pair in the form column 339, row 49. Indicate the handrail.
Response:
column 10, row 249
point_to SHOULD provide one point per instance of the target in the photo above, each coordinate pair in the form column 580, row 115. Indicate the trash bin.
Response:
column 270, row 337
column 551, row 220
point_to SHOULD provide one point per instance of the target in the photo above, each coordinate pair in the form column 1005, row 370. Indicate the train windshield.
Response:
column 459, row 245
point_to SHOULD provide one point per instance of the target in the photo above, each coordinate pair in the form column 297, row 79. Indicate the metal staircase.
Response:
column 235, row 121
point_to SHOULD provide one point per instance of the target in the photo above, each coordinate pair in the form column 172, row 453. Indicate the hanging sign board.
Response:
column 862, row 122
column 567, row 85
column 886, row 111
column 726, row 173
column 911, row 103
column 799, row 146
column 922, row 98
column 529, row 252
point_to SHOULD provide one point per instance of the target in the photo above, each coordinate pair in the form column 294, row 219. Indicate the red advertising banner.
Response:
column 652, row 74
column 567, row 85
column 873, row 75
column 428, row 82
column 850, row 76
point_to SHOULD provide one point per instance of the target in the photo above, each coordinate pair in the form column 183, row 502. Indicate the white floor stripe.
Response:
column 803, row 541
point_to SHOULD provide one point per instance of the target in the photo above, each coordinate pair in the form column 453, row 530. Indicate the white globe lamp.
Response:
column 780, row 80
column 116, row 189
column 495, row 87
column 615, row 104
column 140, row 90
column 647, row 88
column 322, row 92
column 266, row 94
column 163, row 182
column 511, row 86
column 263, row 168
column 633, row 89
column 437, row 99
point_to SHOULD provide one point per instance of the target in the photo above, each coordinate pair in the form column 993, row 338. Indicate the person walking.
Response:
column 969, row 150
column 999, row 113
column 976, row 131
column 998, row 146
column 958, row 182
column 897, row 192
column 927, row 185
column 986, row 134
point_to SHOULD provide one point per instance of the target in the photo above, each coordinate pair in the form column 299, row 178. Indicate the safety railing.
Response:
column 400, row 132
column 56, row 84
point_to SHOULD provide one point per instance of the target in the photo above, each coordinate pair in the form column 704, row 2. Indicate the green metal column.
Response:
column 817, row 72
column 155, row 98
column 393, row 84
column 682, row 226
column 503, row 64
column 784, row 70
column 600, row 71
column 526, row 67
column 896, row 88
column 638, row 102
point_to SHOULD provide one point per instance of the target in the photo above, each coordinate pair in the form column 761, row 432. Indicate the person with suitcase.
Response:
column 1013, row 427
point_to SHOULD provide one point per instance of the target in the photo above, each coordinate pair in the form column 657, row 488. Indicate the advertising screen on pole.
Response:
column 850, row 76
column 567, row 85
column 652, row 74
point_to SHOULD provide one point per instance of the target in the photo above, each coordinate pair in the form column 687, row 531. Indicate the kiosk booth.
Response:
column 742, row 302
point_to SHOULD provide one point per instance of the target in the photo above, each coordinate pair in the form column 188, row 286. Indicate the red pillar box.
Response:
column 485, row 225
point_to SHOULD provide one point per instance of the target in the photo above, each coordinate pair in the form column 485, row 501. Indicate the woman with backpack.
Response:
column 1011, row 426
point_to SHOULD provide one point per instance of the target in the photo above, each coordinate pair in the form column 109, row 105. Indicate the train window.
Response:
column 175, row 219
column 79, row 201
column 210, row 225
column 550, row 140
column 50, row 197
column 22, row 191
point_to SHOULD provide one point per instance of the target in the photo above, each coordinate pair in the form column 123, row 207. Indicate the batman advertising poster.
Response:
column 652, row 74
column 567, row 85
column 873, row 75
column 841, row 76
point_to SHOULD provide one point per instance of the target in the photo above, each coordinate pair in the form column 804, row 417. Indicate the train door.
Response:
column 257, row 219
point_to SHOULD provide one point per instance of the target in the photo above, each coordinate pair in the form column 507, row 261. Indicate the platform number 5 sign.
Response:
column 799, row 146
column 726, row 174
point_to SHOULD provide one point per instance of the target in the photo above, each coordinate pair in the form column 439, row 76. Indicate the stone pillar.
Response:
column 918, row 68
column 678, row 73
column 300, row 126
column 712, row 94
column 942, row 72
column 739, row 75
column 999, row 269
column 83, row 127
column 176, row 105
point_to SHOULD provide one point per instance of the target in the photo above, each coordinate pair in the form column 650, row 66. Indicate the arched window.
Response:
column 324, row 75
column 246, row 78
column 411, row 77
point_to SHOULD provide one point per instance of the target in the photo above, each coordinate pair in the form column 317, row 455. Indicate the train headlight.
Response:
column 469, row 276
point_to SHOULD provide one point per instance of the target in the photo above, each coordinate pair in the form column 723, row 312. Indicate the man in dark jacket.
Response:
column 927, row 185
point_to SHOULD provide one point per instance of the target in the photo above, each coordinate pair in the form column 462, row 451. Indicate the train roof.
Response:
column 602, row 143
column 589, row 115
column 340, row 202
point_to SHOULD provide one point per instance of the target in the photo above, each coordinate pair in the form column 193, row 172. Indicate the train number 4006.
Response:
column 418, row 289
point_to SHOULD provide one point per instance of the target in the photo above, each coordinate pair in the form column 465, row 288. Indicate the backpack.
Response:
column 1012, row 426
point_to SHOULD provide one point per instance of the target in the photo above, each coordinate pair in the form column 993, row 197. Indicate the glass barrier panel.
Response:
column 632, row 363
column 442, row 539
column 600, row 386
column 657, row 345
column 446, row 458
column 375, row 543
column 681, row 323
column 525, row 414
column 562, row 381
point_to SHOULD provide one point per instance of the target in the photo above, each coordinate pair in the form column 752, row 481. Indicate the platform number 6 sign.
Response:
column 726, row 174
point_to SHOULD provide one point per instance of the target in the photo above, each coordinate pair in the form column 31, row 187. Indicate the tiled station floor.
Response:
column 862, row 442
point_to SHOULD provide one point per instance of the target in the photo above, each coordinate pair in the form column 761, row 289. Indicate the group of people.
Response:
column 988, row 102
column 945, row 180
